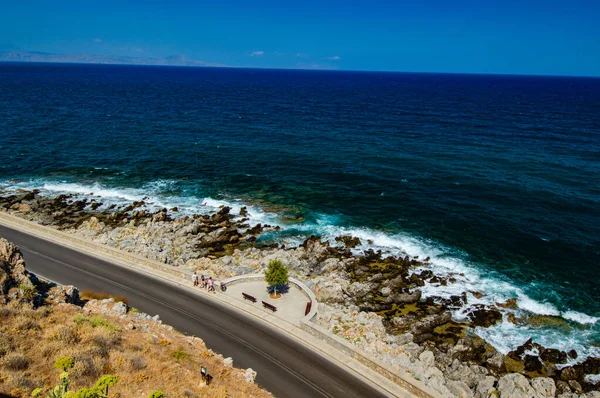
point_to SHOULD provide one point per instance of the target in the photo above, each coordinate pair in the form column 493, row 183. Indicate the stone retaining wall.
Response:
column 403, row 380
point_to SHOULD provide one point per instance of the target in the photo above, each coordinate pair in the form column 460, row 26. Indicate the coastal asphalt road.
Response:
column 285, row 367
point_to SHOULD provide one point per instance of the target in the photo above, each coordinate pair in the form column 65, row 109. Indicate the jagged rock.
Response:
column 119, row 309
column 349, row 241
column 496, row 363
column 574, row 372
column 330, row 292
column 409, row 298
column 360, row 289
column 484, row 317
column 471, row 349
column 591, row 366
column 459, row 389
column 160, row 217
column 228, row 362
column 553, row 355
column 13, row 273
column 572, row 354
column 511, row 303
column 575, row 387
column 250, row 375
column 427, row 324
column 562, row 387
column 427, row 359
column 532, row 363
column 515, row 385
column 416, row 280
column 544, row 387
column 485, row 387
column 64, row 294
column 21, row 207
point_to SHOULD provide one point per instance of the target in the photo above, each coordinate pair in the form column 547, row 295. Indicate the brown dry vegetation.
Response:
column 92, row 295
column 149, row 357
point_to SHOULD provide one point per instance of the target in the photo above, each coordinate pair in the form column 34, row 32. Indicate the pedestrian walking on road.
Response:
column 195, row 278
column 211, row 287
column 203, row 282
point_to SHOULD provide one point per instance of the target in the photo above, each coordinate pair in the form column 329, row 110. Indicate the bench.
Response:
column 269, row 306
column 249, row 297
column 308, row 307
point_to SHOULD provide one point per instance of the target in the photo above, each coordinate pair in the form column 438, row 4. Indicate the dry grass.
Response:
column 156, row 359
column 15, row 362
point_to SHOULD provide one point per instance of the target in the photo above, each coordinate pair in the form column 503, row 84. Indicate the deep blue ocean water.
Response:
column 496, row 177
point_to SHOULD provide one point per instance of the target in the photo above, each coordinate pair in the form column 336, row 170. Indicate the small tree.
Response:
column 276, row 276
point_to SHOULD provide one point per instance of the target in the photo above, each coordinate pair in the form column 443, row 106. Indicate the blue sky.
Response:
column 483, row 36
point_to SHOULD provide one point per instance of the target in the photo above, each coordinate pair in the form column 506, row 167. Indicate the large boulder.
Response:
column 574, row 372
column 64, row 294
column 485, row 387
column 430, row 322
column 330, row 292
column 484, row 317
column 553, row 355
column 13, row 273
column 459, row 389
column 544, row 387
column 515, row 385
column 591, row 366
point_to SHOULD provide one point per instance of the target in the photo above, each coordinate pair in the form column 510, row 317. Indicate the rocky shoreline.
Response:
column 371, row 300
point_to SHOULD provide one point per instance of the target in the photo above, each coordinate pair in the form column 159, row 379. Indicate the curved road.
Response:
column 285, row 367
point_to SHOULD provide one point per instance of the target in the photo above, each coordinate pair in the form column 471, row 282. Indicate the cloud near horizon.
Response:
column 97, row 40
column 257, row 53
column 334, row 58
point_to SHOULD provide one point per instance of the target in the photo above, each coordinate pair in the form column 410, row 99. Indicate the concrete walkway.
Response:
column 290, row 306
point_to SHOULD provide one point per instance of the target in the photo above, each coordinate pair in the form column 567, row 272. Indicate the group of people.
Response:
column 203, row 282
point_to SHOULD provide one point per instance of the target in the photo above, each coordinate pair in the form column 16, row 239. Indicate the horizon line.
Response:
column 285, row 69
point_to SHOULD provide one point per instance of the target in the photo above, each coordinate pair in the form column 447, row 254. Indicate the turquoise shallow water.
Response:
column 497, row 177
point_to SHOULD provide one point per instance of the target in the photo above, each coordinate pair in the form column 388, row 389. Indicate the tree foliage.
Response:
column 276, row 273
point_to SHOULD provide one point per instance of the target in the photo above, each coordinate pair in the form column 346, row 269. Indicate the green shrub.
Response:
column 157, row 394
column 27, row 290
column 94, row 321
column 179, row 354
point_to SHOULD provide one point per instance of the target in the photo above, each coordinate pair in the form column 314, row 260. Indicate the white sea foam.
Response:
column 526, row 303
column 154, row 193
column 472, row 277
column 580, row 317
column 592, row 378
column 506, row 336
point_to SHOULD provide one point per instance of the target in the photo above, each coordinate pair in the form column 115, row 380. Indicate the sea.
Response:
column 495, row 178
